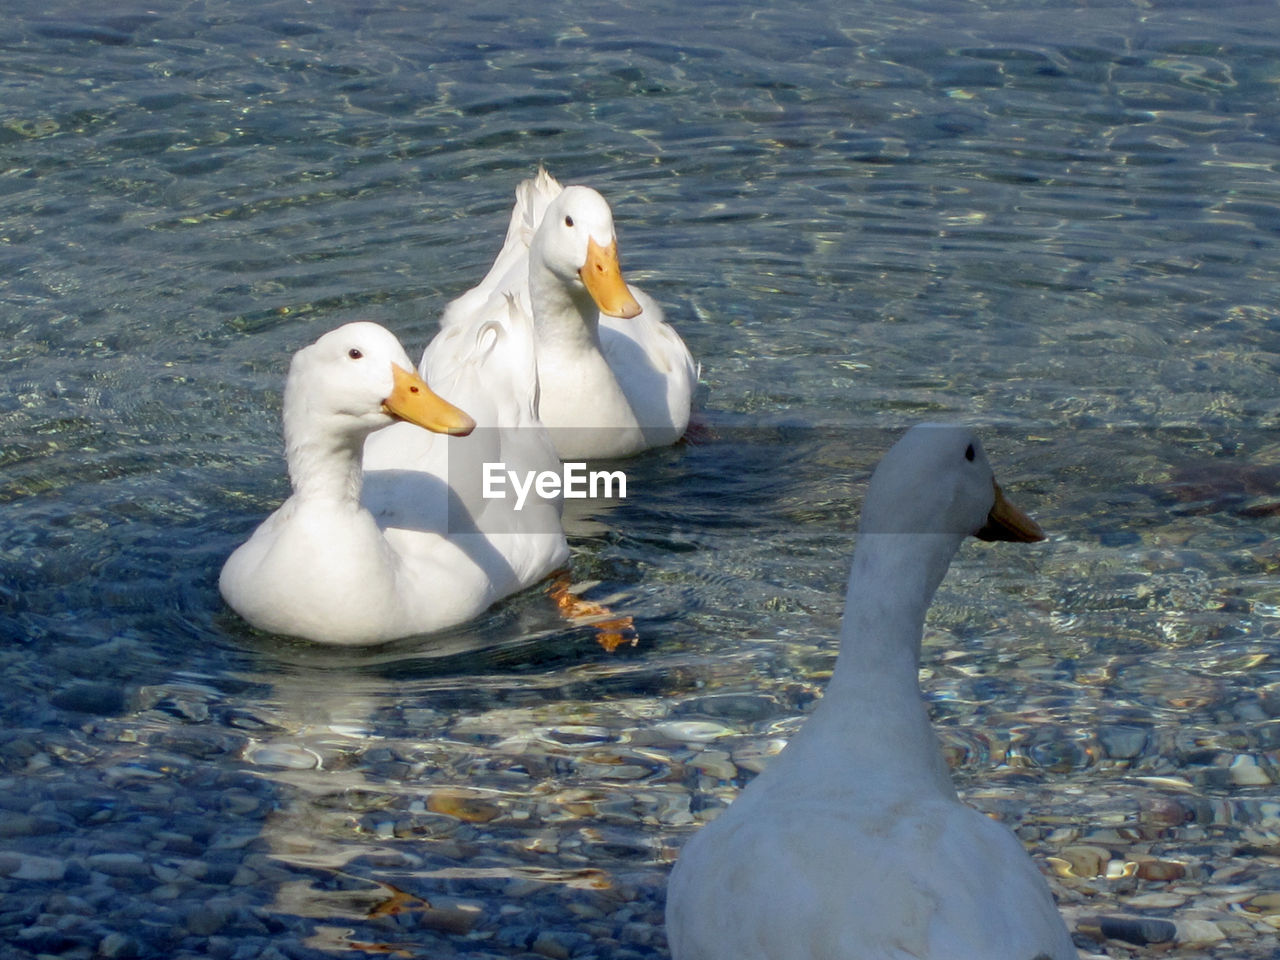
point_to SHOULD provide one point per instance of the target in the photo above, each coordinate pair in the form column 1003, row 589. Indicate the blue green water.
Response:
column 1058, row 222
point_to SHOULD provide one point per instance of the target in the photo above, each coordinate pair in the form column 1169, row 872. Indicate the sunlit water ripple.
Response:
column 1057, row 223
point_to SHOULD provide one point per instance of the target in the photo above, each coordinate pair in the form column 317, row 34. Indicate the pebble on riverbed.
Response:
column 177, row 841
column 1136, row 930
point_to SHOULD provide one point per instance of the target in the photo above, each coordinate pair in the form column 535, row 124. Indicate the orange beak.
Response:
column 603, row 279
column 412, row 400
column 1007, row 522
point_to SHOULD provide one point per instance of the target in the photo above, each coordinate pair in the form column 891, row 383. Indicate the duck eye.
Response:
column 354, row 353
column 968, row 453
column 568, row 221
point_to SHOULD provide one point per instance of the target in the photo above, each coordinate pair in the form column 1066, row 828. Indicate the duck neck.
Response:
column 325, row 465
column 565, row 317
column 874, row 694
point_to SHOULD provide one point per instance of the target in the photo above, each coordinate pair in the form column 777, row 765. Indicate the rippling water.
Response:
column 1059, row 223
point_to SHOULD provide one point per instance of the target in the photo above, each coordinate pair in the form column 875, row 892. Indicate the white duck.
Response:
column 322, row 566
column 852, row 843
column 615, row 378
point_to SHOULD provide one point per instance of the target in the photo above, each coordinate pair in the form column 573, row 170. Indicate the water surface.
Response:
column 1057, row 223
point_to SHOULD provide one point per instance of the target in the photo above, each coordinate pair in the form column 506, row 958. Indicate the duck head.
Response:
column 937, row 479
column 576, row 241
column 357, row 379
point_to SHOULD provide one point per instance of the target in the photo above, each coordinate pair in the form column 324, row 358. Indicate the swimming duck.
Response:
column 356, row 556
column 615, row 378
column 852, row 843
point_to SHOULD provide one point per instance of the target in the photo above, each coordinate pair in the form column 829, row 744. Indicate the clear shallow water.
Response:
column 1057, row 223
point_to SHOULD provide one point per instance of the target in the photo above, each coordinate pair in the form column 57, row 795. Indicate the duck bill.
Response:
column 603, row 279
column 412, row 400
column 1007, row 522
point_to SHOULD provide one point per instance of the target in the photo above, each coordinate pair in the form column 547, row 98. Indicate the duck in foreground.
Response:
column 615, row 378
column 853, row 843
column 352, row 558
